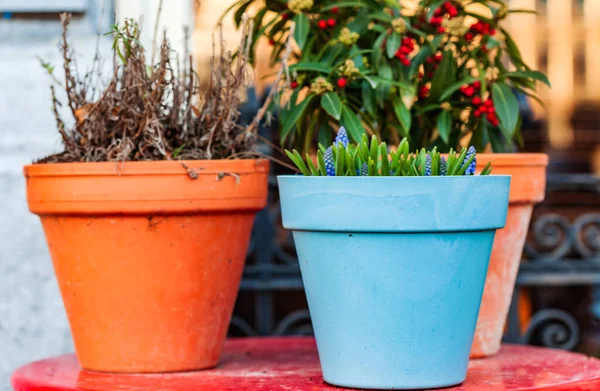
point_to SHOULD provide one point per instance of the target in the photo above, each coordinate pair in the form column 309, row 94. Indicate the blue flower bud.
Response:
column 342, row 137
column 473, row 166
column 428, row 165
column 329, row 164
column 443, row 166
column 364, row 171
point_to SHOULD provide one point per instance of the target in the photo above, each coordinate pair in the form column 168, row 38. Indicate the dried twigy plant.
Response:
column 155, row 112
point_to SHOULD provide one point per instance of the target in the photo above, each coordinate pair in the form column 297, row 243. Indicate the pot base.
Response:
column 393, row 311
column 382, row 386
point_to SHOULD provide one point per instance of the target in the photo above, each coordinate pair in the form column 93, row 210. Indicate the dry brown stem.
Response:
column 148, row 113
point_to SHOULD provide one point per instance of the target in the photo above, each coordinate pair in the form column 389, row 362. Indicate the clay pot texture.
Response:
column 148, row 255
column 527, row 187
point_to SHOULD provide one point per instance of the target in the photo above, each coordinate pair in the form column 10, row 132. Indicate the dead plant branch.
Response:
column 150, row 113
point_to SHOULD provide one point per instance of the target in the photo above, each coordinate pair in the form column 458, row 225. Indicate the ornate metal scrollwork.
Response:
column 295, row 323
column 587, row 235
column 552, row 237
column 239, row 326
column 553, row 328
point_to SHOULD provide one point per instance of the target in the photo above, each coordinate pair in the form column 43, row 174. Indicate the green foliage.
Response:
column 372, row 158
column 124, row 37
column 413, row 74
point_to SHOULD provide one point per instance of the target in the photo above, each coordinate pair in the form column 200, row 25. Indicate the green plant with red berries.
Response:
column 440, row 73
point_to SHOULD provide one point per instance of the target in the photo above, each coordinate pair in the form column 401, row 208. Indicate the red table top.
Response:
column 291, row 364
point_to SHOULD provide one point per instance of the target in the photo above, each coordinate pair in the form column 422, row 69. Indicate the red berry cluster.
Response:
column 436, row 22
column 447, row 8
column 342, row 82
column 424, row 91
column 407, row 47
column 438, row 16
column 486, row 108
column 294, row 84
column 323, row 24
column 435, row 61
column 482, row 28
column 470, row 90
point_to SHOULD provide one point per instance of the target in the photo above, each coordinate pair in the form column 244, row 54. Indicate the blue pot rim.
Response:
column 394, row 204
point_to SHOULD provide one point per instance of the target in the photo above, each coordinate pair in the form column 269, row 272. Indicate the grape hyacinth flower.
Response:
column 342, row 137
column 428, row 165
column 443, row 166
column 473, row 166
column 364, row 171
column 329, row 165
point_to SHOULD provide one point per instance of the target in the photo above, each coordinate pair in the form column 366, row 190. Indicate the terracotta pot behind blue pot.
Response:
column 394, row 270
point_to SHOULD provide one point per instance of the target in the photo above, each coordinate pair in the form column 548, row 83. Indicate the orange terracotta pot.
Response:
column 527, row 188
column 148, row 259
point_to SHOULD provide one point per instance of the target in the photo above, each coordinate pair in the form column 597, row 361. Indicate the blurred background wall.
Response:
column 563, row 39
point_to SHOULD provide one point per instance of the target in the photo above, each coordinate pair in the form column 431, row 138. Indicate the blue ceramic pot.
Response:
column 394, row 269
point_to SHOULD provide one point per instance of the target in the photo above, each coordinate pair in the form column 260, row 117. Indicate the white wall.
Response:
column 33, row 324
column 175, row 14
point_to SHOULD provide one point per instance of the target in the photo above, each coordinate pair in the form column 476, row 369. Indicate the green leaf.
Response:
column 372, row 82
column 535, row 75
column 368, row 98
column 522, row 11
column 374, row 149
column 444, row 76
column 487, row 170
column 393, row 44
column 427, row 109
column 425, row 52
column 513, row 49
column 403, row 115
column 381, row 16
column 343, row 4
column 295, row 157
column 294, row 116
column 444, row 125
column 229, row 9
column 434, row 6
column 310, row 66
column 385, row 167
column 239, row 13
column 466, row 165
column 321, row 163
column 388, row 80
column 507, row 108
column 352, row 123
column 372, row 169
column 332, row 104
column 325, row 134
column 455, row 86
column 313, row 170
column 301, row 30
column 350, row 163
column 481, row 137
column 340, row 158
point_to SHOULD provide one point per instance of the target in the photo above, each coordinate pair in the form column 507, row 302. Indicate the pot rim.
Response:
column 154, row 167
column 158, row 187
column 393, row 177
column 386, row 204
column 514, row 159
